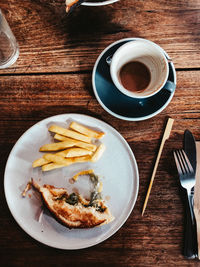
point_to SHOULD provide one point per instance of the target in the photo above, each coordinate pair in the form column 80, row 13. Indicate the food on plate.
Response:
column 68, row 153
column 98, row 186
column 85, row 172
column 65, row 161
column 73, row 210
column 71, row 146
column 70, row 4
column 87, row 146
column 27, row 188
column 57, row 146
column 39, row 162
column 75, row 152
column 86, row 131
column 66, row 144
column 69, row 133
column 54, row 161
column 51, row 166
column 98, row 153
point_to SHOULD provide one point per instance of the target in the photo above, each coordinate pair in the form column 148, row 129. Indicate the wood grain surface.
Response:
column 53, row 76
column 51, row 41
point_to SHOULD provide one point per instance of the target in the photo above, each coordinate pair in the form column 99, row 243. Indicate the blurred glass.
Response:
column 9, row 50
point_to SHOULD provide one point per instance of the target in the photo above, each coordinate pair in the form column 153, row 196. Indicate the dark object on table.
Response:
column 190, row 242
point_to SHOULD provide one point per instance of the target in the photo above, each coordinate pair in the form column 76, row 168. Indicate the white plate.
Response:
column 102, row 3
column 117, row 169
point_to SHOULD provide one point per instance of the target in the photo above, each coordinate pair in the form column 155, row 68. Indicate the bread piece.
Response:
column 71, row 210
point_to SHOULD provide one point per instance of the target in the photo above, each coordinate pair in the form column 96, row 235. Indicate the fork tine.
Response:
column 177, row 162
column 183, row 164
column 188, row 162
column 183, row 161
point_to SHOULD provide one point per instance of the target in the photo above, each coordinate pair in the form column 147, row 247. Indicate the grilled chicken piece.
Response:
column 73, row 210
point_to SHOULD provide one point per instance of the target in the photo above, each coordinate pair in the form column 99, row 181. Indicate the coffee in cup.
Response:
column 139, row 68
column 134, row 76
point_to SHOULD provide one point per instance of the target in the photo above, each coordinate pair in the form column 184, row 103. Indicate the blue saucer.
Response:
column 120, row 105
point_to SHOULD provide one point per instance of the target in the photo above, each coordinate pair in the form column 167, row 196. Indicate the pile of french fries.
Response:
column 74, row 145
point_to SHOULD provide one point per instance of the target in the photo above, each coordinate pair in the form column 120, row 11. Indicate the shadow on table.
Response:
column 81, row 22
column 92, row 22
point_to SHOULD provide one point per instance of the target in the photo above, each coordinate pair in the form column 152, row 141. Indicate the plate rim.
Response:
column 96, row 4
column 133, row 200
column 109, row 110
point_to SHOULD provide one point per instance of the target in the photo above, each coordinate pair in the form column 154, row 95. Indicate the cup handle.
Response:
column 109, row 59
column 170, row 86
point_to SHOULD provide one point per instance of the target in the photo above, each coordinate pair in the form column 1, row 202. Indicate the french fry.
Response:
column 74, row 146
column 68, row 162
column 81, row 159
column 57, row 146
column 58, row 159
column 69, row 133
column 39, row 162
column 98, row 153
column 60, row 137
column 51, row 166
column 86, row 131
column 77, row 143
column 71, row 152
column 74, row 152
column 65, row 161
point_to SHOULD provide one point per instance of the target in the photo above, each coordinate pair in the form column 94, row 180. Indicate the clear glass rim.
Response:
column 15, row 53
column 11, row 60
column 1, row 15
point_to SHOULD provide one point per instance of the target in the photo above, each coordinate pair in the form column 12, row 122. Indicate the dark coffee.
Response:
column 135, row 76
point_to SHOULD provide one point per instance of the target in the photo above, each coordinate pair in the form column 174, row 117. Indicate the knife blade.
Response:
column 190, row 148
column 190, row 242
column 191, row 152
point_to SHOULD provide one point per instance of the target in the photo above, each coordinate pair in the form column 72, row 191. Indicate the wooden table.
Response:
column 53, row 76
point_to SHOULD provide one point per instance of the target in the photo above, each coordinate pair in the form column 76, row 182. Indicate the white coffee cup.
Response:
column 147, row 53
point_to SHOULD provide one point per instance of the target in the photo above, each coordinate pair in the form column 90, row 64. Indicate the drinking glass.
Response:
column 9, row 50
